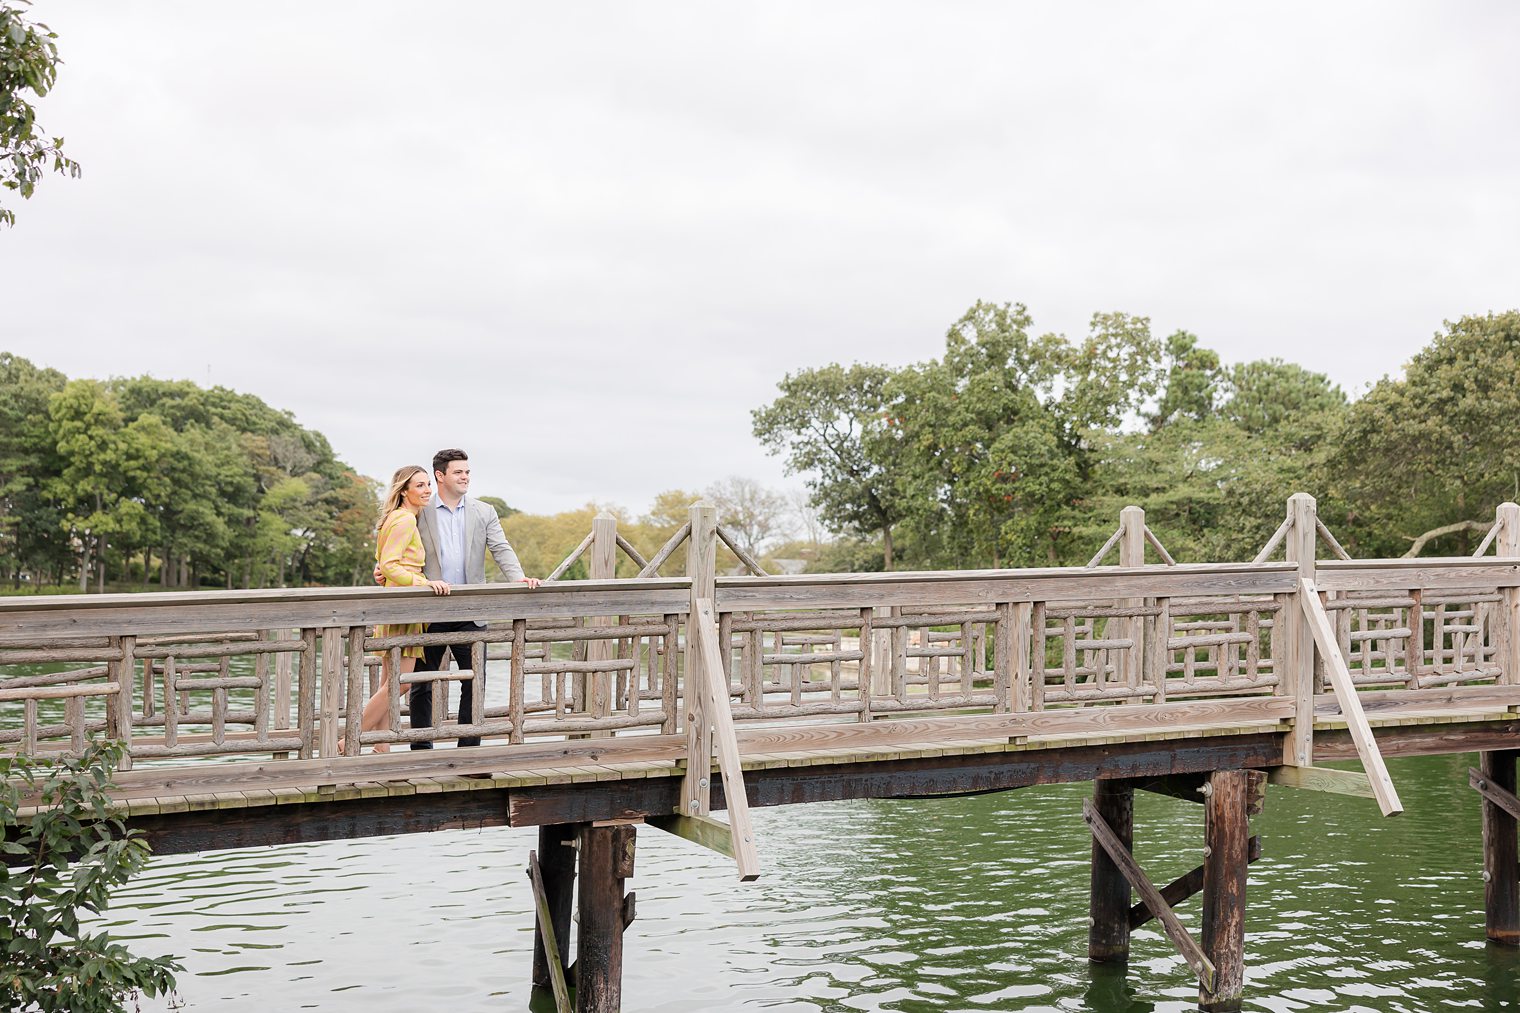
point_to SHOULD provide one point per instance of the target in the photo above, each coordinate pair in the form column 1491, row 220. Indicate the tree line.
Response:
column 139, row 480
column 1012, row 449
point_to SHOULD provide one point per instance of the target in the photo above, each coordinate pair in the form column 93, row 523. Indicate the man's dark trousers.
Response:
column 432, row 661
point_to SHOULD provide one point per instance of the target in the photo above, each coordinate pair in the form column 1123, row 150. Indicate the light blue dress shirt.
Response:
column 452, row 527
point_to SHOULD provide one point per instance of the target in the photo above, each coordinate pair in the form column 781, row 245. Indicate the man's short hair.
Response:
column 444, row 458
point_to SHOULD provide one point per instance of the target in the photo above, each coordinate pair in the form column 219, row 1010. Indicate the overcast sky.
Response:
column 583, row 241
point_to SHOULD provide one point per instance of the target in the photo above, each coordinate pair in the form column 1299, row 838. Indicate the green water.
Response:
column 964, row 904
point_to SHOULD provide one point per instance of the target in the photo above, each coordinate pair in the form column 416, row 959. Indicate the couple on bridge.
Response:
column 437, row 542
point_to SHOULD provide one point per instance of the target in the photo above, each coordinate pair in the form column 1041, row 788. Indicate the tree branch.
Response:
column 1419, row 543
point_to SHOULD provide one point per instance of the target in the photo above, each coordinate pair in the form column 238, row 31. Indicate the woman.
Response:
column 399, row 552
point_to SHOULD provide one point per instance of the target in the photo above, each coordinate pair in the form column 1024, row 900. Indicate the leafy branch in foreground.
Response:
column 28, row 62
column 59, row 863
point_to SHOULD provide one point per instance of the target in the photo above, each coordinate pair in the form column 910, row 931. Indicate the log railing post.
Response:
column 702, row 568
column 1132, row 553
column 1507, row 543
column 1297, row 675
column 598, row 692
column 333, row 676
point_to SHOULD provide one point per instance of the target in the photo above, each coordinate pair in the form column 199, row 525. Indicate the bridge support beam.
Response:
column 606, row 859
column 1501, row 851
column 1227, row 836
column 1108, row 911
column 556, row 862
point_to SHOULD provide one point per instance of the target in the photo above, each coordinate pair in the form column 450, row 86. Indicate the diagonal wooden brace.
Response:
column 546, row 928
column 1174, row 929
column 703, row 628
column 1339, row 677
column 1183, row 887
column 1499, row 796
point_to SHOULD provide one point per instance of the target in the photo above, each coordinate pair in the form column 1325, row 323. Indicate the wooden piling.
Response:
column 1226, row 856
column 1108, row 925
column 606, row 859
column 1501, row 862
column 556, row 863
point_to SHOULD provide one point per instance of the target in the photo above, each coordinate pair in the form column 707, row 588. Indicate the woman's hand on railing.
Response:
column 438, row 586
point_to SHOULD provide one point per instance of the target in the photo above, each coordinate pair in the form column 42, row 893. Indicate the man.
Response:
column 457, row 532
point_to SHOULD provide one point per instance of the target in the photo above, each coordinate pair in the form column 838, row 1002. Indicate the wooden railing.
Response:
column 284, row 673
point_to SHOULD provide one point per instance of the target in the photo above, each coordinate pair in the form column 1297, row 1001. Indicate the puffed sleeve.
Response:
column 395, row 535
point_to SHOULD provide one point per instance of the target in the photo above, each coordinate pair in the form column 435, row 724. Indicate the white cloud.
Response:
column 585, row 240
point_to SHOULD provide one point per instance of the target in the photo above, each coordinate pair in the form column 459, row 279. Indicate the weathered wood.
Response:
column 1429, row 572
column 23, row 621
column 605, row 852
column 1296, row 676
column 1345, row 693
column 1226, row 859
column 1184, row 886
column 1501, row 855
column 652, row 568
column 701, row 568
column 1116, row 850
column 1328, row 779
column 750, row 562
column 1108, row 909
column 704, row 831
column 1507, row 528
column 554, row 892
column 972, row 587
column 332, row 688
column 701, row 623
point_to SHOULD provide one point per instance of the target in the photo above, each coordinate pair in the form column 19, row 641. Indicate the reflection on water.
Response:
column 964, row 904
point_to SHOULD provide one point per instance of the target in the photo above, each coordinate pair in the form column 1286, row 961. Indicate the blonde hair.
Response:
column 396, row 494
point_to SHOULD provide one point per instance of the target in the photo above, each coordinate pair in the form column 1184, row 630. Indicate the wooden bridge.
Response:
column 1201, row 681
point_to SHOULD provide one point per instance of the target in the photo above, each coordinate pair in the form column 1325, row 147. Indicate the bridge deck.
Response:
column 191, row 806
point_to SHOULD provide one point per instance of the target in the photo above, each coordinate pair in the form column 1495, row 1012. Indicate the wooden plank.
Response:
column 1184, row 886
column 43, row 617
column 332, row 683
column 548, row 937
column 1427, row 573
column 701, row 567
column 971, row 587
column 1328, row 779
column 703, row 624
column 704, row 831
column 1345, row 692
column 1191, row 952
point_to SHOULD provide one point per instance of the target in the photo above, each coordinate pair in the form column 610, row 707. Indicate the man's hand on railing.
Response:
column 438, row 586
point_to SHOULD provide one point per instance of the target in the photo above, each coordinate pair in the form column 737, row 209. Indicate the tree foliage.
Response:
column 101, row 479
column 28, row 63
column 61, row 864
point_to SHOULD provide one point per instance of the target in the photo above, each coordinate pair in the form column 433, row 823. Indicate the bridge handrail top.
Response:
column 1022, row 573
column 292, row 595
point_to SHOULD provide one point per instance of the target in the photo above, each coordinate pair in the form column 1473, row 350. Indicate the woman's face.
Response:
column 418, row 491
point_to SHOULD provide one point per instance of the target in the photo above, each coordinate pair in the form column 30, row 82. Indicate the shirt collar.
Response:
column 439, row 504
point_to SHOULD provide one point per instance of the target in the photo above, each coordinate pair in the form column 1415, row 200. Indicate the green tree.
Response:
column 833, row 426
column 32, row 540
column 62, row 863
column 996, row 437
column 28, row 63
column 1439, row 445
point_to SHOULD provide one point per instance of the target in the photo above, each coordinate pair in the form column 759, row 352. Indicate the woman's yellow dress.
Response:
column 398, row 550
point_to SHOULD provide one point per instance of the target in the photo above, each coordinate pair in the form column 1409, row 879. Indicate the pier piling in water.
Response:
column 606, row 859
column 1108, row 929
column 1501, row 851
column 1226, row 856
column 556, row 857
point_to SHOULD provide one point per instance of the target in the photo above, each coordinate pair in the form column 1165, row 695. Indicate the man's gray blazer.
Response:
column 482, row 534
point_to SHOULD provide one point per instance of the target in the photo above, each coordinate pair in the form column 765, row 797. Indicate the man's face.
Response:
column 456, row 480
